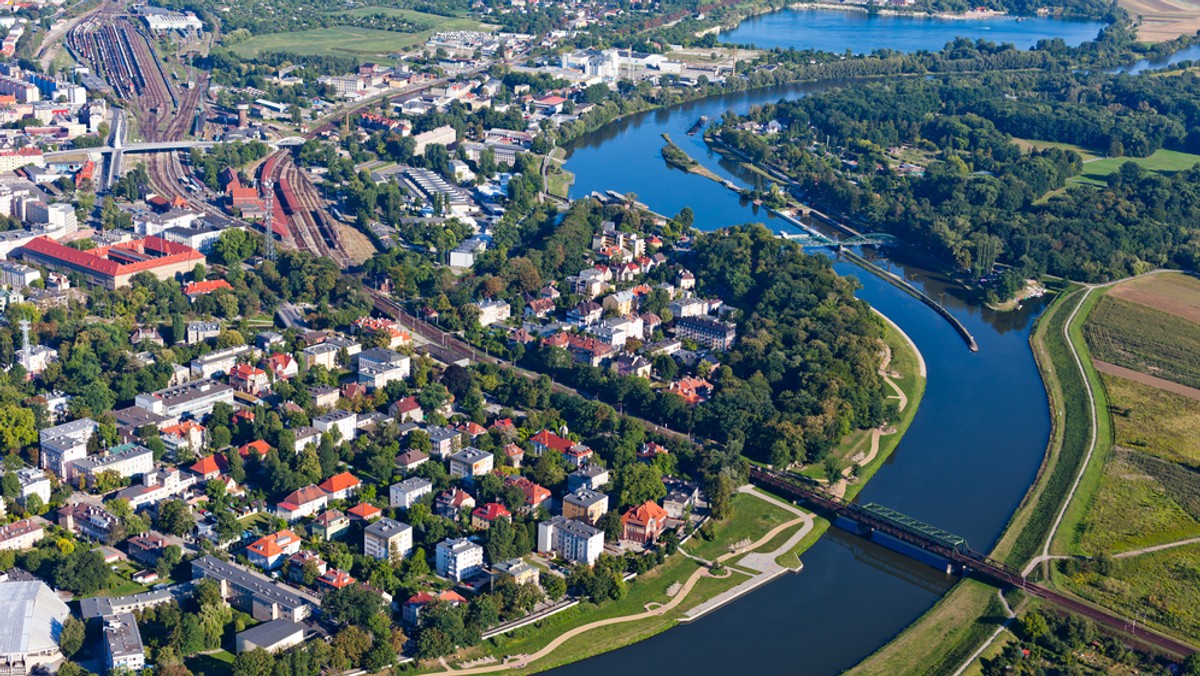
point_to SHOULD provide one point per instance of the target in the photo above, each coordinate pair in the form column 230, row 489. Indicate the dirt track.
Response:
column 1139, row 377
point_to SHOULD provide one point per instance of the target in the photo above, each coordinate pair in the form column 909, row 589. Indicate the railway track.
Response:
column 298, row 205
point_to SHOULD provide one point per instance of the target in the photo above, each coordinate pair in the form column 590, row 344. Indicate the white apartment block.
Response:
column 458, row 559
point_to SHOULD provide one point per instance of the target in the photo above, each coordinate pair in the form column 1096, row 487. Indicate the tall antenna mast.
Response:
column 25, row 353
column 268, row 228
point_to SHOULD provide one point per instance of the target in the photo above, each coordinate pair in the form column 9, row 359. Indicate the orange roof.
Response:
column 272, row 545
column 246, row 371
column 340, row 482
column 448, row 596
column 259, row 446
column 185, row 427
column 206, row 286
column 213, row 463
column 365, row 511
column 645, row 513
column 336, row 578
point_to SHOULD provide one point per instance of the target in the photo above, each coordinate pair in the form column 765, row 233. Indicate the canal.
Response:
column 971, row 453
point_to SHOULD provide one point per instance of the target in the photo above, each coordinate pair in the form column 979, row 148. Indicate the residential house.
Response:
column 271, row 551
column 282, row 366
column 341, row 486
column 593, row 477
column 388, row 540
column 470, row 462
column 410, row 612
column 515, row 455
column 458, row 559
column 518, row 570
column 325, row 397
column 21, row 535
column 692, row 390
column 189, row 435
column 444, row 441
column 578, row 455
column 711, row 333
column 492, row 311
column 329, row 525
column 334, row 579
column 87, row 520
column 297, row 562
column 365, row 512
column 405, row 494
column 571, row 540
column 483, row 516
column 407, row 410
column 539, row 308
column 302, row 503
column 632, row 365
column 210, row 467
column 643, row 524
column 535, row 494
column 453, row 502
column 345, row 422
column 588, row 313
column 585, row 505
column 549, row 441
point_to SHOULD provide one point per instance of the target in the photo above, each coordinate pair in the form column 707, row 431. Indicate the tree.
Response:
column 175, row 517
column 640, row 483
column 257, row 662
column 11, row 486
column 71, row 638
column 352, row 604
column 82, row 572
column 1034, row 625
column 18, row 427
column 554, row 586
column 550, row 469
column 208, row 593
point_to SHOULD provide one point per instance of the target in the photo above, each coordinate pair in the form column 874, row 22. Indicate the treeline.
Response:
column 980, row 199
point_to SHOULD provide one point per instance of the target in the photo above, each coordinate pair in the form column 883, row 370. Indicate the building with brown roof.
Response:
column 301, row 503
column 113, row 266
column 644, row 523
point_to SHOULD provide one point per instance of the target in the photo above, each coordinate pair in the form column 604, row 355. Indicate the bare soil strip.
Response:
column 1138, row 377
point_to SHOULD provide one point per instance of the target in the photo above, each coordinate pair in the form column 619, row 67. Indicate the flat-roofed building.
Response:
column 271, row 636
column 388, row 540
column 195, row 399
column 458, row 559
column 63, row 445
column 253, row 593
column 127, row 460
column 585, row 505
column 123, row 643
column 406, row 493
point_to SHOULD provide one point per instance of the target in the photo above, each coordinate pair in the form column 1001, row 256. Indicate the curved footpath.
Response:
column 523, row 661
column 763, row 562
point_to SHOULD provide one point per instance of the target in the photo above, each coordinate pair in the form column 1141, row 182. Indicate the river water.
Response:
column 971, row 453
column 859, row 32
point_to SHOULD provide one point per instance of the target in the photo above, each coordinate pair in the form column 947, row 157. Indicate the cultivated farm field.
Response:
column 1172, row 292
column 1144, row 339
column 1159, row 423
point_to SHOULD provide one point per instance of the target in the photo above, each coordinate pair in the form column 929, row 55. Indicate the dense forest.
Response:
column 979, row 197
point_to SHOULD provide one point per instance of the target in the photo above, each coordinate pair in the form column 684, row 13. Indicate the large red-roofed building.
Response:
column 113, row 266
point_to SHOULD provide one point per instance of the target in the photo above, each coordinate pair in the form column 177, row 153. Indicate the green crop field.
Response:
column 1145, row 340
column 354, row 41
column 1162, row 588
column 1162, row 161
column 1156, row 422
column 1134, row 509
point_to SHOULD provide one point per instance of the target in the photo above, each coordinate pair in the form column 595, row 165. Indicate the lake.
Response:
column 836, row 31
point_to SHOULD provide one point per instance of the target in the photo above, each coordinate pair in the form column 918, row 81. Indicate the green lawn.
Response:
column 1160, row 423
column 218, row 663
column 351, row 40
column 1163, row 162
column 1032, row 144
column 752, row 518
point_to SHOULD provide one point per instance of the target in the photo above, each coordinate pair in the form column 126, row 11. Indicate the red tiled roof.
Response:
column 206, row 286
column 551, row 440
column 246, row 371
column 492, row 511
column 98, row 260
column 407, row 405
column 336, row 578
column 339, row 482
column 535, row 494
column 302, row 496
column 421, row 598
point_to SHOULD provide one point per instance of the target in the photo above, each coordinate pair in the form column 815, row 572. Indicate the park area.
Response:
column 1097, row 167
column 356, row 41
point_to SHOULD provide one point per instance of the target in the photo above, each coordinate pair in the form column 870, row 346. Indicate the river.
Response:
column 971, row 453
